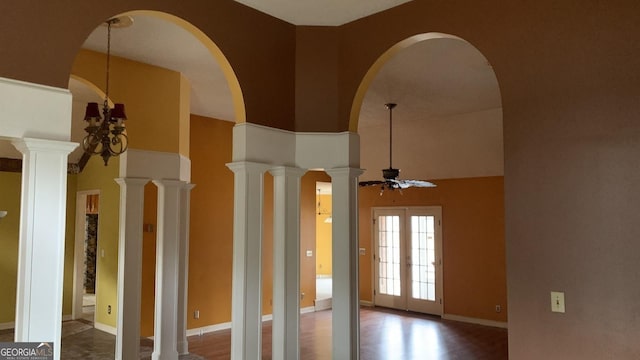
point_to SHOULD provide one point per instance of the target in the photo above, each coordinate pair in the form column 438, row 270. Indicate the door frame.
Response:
column 436, row 210
column 79, row 255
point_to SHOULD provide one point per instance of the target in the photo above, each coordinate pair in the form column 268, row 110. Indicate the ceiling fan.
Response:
column 390, row 175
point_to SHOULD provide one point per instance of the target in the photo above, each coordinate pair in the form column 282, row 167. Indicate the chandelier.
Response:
column 105, row 134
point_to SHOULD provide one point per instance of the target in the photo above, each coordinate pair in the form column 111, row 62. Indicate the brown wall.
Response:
column 40, row 41
column 568, row 74
column 472, row 236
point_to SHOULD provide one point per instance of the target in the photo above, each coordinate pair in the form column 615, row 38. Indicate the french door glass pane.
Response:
column 423, row 258
column 389, row 255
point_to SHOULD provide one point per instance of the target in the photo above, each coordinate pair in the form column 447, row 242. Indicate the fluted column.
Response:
column 129, row 267
column 286, row 263
column 167, row 269
column 246, row 297
column 183, row 267
column 41, row 240
column 345, row 298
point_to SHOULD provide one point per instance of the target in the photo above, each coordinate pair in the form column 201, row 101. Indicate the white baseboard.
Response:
column 498, row 324
column 207, row 329
column 308, row 309
column 106, row 328
column 224, row 326
column 323, row 304
column 12, row 324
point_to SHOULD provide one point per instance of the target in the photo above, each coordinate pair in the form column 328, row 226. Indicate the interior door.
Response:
column 408, row 258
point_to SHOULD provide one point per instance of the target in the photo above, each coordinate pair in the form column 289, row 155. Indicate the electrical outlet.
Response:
column 196, row 314
column 557, row 301
column 498, row 308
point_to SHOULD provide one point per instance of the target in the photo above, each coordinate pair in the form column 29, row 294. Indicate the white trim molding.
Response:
column 470, row 320
column 106, row 328
column 28, row 106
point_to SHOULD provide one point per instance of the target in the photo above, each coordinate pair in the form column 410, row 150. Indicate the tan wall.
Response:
column 473, row 242
column 10, row 190
column 147, row 301
column 69, row 246
column 96, row 176
column 153, row 96
column 10, row 185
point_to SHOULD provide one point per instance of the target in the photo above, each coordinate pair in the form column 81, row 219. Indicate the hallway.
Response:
column 385, row 334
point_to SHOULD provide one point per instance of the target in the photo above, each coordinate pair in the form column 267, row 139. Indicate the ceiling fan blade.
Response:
column 413, row 183
column 371, row 183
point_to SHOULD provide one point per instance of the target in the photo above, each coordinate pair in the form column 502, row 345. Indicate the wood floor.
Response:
column 384, row 335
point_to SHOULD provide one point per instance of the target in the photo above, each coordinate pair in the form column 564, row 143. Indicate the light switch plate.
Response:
column 309, row 253
column 363, row 251
column 557, row 301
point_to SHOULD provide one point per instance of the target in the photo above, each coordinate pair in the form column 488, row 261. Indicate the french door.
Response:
column 408, row 258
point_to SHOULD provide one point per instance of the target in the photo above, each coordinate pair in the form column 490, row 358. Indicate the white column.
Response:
column 167, row 264
column 246, row 297
column 183, row 267
column 286, row 263
column 345, row 301
column 129, row 267
column 41, row 240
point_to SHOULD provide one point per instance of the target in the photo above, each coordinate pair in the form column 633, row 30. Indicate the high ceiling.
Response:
column 448, row 123
column 321, row 13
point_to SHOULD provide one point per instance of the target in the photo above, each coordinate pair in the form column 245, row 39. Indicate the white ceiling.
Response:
column 448, row 123
column 321, row 12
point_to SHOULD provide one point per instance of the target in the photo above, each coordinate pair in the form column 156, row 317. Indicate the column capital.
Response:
column 248, row 166
column 287, row 170
column 169, row 183
column 27, row 145
column 131, row 181
column 344, row 172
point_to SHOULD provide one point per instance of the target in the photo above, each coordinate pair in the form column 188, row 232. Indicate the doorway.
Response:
column 86, row 255
column 324, row 272
column 408, row 258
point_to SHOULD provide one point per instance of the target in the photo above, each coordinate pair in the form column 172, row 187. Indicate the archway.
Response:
column 161, row 100
column 447, row 129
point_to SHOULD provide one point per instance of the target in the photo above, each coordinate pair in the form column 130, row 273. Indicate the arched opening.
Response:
column 178, row 88
column 447, row 129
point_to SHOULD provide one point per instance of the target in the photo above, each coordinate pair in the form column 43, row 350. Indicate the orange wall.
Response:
column 211, row 231
column 473, row 242
column 323, row 238
column 308, row 234
column 150, row 217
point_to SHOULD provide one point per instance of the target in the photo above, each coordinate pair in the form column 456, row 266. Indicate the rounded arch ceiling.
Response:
column 448, row 122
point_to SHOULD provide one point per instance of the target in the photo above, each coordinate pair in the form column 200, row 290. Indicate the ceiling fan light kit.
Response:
column 390, row 175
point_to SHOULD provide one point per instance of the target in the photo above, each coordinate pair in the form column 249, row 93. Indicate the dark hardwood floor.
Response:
column 384, row 335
